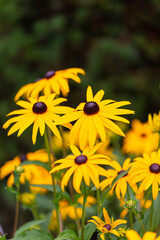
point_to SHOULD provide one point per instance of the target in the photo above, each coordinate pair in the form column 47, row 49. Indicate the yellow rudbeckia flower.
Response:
column 83, row 165
column 147, row 170
column 39, row 112
column 34, row 174
column 140, row 139
column 154, row 122
column 93, row 117
column 53, row 82
column 120, row 185
column 133, row 235
column 107, row 226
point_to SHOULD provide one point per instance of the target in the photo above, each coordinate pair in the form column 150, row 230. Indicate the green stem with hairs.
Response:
column 17, row 209
column 53, row 180
column 151, row 216
column 135, row 214
column 64, row 154
column 98, row 201
column 83, row 210
column 130, row 213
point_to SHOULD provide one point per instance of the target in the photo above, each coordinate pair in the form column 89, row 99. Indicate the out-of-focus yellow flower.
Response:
column 140, row 139
column 143, row 202
column 57, row 144
column 27, row 198
column 53, row 82
column 34, row 174
column 133, row 235
column 154, row 122
column 71, row 211
column 90, row 200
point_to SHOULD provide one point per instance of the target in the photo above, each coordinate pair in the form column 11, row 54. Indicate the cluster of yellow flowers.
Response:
column 89, row 124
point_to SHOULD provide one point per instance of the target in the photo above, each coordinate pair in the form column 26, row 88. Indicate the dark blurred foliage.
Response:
column 116, row 42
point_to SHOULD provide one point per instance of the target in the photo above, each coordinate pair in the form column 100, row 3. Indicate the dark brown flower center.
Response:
column 91, row 108
column 107, row 226
column 39, row 108
column 122, row 172
column 23, row 157
column 81, row 159
column 49, row 74
column 155, row 168
column 143, row 135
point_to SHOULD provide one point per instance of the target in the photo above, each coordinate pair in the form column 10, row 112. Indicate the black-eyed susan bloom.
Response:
column 133, row 235
column 146, row 170
column 93, row 117
column 52, row 82
column 108, row 225
column 39, row 112
column 154, row 122
column 140, row 139
column 34, row 174
column 120, row 185
column 83, row 166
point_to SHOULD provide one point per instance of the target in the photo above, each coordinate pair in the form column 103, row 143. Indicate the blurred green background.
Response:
column 116, row 42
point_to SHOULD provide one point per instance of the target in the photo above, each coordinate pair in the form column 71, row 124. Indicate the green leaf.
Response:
column 3, row 238
column 36, row 162
column 89, row 229
column 47, row 186
column 34, row 235
column 67, row 235
column 28, row 226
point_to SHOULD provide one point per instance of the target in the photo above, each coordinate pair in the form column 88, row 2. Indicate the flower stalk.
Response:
column 53, row 180
column 83, row 209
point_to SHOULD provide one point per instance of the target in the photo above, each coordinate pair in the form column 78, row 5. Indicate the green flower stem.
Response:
column 63, row 141
column 53, row 180
column 64, row 154
column 108, row 237
column 135, row 214
column 130, row 213
column 151, row 216
column 98, row 202
column 35, row 213
column 17, row 209
column 83, row 210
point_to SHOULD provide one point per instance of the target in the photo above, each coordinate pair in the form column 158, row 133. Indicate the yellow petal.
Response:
column 149, row 236
column 118, row 222
column 75, row 150
column 89, row 94
column 34, row 132
column 106, row 216
column 132, row 235
column 75, row 129
column 100, row 128
column 52, row 126
column 92, row 132
column 66, row 177
column 77, row 179
column 99, row 95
